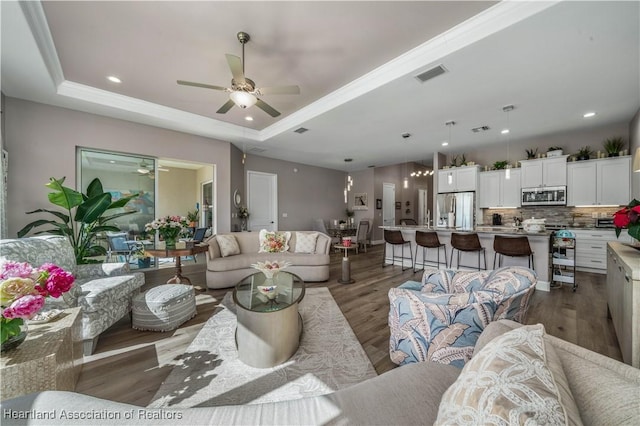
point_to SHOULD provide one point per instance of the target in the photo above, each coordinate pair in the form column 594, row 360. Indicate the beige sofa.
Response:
column 223, row 272
column 606, row 392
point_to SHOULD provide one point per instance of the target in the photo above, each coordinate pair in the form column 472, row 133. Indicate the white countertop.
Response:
column 630, row 256
column 505, row 230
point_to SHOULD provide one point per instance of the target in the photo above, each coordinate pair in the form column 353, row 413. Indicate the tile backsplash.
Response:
column 571, row 216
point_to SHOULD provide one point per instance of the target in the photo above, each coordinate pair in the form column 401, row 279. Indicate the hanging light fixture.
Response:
column 450, row 124
column 507, row 131
column 348, row 182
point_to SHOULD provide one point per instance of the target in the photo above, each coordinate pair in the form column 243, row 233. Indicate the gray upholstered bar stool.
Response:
column 513, row 247
column 427, row 240
column 395, row 238
column 467, row 242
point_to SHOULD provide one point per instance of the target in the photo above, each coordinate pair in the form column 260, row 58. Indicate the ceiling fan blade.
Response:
column 280, row 90
column 226, row 107
column 267, row 108
column 235, row 64
column 206, row 86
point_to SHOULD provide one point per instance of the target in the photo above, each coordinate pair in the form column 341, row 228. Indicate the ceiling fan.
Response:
column 146, row 168
column 243, row 91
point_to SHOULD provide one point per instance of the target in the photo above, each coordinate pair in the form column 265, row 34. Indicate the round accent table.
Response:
column 346, row 263
column 269, row 325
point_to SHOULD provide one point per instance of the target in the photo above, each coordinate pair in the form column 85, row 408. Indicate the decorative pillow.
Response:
column 273, row 242
column 515, row 379
column 228, row 245
column 306, row 243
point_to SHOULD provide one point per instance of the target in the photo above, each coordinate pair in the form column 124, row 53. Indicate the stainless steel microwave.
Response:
column 545, row 196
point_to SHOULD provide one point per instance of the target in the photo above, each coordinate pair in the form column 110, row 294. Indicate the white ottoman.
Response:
column 163, row 308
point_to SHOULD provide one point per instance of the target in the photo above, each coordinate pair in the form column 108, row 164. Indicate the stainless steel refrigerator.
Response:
column 456, row 209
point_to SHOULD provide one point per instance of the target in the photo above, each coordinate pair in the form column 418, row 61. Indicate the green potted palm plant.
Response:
column 614, row 145
column 85, row 217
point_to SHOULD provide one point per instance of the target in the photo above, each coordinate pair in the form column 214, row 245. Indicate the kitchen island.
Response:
column 538, row 241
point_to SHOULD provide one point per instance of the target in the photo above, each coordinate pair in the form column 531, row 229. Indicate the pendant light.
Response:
column 507, row 131
column 348, row 182
column 450, row 124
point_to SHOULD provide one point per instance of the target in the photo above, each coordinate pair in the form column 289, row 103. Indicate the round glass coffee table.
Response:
column 269, row 325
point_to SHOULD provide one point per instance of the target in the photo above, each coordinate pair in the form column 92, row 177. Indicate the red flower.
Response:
column 621, row 218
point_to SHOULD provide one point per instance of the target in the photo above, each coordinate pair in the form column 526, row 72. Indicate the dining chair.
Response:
column 361, row 235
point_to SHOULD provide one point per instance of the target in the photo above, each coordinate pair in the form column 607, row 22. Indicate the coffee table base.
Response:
column 267, row 339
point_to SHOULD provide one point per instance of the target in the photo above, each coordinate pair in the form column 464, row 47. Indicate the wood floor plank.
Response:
column 130, row 365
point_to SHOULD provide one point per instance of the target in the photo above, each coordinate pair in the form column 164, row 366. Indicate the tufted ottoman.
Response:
column 163, row 308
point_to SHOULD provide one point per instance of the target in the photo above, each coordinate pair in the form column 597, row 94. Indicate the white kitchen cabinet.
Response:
column 495, row 190
column 591, row 247
column 606, row 181
column 623, row 299
column 543, row 172
column 458, row 179
column 614, row 181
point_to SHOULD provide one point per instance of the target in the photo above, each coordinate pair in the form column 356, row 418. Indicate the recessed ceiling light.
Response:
column 445, row 143
column 589, row 115
column 248, row 118
column 112, row 162
column 505, row 131
column 114, row 79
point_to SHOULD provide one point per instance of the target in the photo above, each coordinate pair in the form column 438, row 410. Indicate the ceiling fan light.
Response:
column 143, row 171
column 243, row 99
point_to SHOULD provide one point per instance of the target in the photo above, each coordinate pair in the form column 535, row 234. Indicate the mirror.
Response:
column 237, row 198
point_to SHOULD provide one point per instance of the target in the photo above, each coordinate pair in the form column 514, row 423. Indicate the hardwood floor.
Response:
column 129, row 365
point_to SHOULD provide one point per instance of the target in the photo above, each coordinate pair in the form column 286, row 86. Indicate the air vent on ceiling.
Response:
column 429, row 74
column 301, row 130
column 480, row 129
column 257, row 150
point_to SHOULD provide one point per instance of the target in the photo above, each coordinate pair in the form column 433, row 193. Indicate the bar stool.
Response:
column 512, row 247
column 428, row 240
column 395, row 239
column 468, row 242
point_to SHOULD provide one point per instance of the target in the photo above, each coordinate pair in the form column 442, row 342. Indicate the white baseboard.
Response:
column 543, row 286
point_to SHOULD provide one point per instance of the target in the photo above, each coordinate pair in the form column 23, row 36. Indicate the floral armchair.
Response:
column 440, row 318
column 104, row 291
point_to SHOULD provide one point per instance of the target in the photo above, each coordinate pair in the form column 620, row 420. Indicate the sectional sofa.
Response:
column 588, row 388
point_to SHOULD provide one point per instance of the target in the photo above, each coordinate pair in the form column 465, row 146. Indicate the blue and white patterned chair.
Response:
column 104, row 291
column 440, row 318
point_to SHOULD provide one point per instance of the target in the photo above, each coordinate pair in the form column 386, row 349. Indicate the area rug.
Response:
column 210, row 374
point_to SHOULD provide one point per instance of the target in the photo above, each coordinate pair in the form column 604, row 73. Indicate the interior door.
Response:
column 262, row 201
column 388, row 204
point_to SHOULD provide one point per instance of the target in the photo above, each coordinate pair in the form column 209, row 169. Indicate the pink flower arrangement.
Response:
column 23, row 290
column 169, row 227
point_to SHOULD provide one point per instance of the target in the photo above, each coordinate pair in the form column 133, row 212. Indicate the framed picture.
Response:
column 398, row 205
column 378, row 203
column 360, row 201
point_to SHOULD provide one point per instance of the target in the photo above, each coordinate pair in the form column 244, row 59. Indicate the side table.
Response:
column 346, row 264
column 50, row 358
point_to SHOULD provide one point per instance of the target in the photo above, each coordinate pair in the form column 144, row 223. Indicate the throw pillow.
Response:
column 228, row 245
column 306, row 243
column 273, row 242
column 510, row 381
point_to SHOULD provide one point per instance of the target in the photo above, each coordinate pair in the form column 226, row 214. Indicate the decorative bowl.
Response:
column 271, row 291
column 270, row 268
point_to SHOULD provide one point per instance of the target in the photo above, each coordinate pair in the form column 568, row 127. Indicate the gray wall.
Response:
column 571, row 142
column 42, row 140
column 237, row 183
column 309, row 193
column 634, row 142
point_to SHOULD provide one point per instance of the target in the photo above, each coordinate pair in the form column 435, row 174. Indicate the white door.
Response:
column 424, row 214
column 262, row 201
column 388, row 204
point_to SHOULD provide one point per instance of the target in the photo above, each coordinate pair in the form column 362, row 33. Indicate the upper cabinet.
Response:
column 544, row 172
column 458, row 179
column 498, row 191
column 606, row 181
